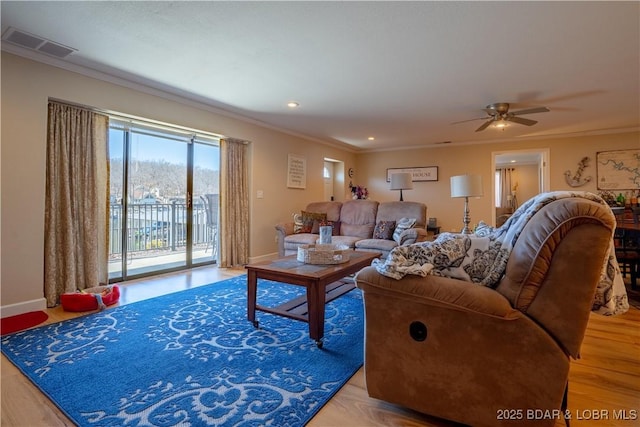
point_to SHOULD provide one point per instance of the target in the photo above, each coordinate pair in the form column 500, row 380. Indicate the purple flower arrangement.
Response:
column 359, row 192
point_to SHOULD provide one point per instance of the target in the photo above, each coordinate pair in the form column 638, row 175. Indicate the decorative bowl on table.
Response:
column 323, row 254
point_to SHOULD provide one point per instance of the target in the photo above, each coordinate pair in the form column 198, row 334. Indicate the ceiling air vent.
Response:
column 55, row 49
column 33, row 42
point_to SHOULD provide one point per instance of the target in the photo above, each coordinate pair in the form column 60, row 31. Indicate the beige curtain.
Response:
column 506, row 187
column 234, row 204
column 77, row 193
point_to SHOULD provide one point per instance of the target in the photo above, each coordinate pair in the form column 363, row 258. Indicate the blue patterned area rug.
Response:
column 193, row 359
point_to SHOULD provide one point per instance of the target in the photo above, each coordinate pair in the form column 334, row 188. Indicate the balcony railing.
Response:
column 156, row 227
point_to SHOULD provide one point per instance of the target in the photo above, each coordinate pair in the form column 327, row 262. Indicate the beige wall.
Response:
column 526, row 176
column 565, row 154
column 26, row 88
column 27, row 85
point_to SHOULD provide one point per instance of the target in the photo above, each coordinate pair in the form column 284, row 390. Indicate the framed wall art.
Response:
column 618, row 170
column 428, row 173
column 296, row 171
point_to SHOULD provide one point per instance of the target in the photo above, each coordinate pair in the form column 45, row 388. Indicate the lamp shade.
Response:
column 401, row 181
column 466, row 186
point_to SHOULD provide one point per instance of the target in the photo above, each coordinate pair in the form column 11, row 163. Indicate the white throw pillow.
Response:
column 402, row 225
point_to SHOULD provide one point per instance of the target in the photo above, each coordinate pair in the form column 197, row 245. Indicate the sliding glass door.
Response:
column 163, row 200
column 206, row 167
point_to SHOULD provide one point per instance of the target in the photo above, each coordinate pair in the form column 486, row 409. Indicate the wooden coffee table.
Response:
column 322, row 282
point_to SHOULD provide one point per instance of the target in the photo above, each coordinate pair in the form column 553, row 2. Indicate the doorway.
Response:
column 333, row 175
column 525, row 172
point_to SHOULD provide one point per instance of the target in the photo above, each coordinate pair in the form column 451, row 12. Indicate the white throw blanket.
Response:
column 482, row 257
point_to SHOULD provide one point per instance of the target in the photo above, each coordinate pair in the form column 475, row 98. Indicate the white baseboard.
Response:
column 267, row 257
column 23, row 307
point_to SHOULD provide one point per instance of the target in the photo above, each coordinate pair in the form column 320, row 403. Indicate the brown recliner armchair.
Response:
column 483, row 356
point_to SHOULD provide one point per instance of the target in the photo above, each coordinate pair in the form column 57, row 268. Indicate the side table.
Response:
column 435, row 229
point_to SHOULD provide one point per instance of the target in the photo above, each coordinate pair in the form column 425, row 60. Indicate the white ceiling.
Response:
column 399, row 71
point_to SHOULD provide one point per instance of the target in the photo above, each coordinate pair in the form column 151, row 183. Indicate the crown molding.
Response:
column 194, row 101
column 178, row 96
column 503, row 140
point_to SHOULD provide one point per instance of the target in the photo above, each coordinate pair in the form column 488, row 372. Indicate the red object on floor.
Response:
column 21, row 321
column 87, row 301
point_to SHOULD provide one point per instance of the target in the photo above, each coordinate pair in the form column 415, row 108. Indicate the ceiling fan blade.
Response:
column 521, row 120
column 532, row 110
column 470, row 120
column 485, row 125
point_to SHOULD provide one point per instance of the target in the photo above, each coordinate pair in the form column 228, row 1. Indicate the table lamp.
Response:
column 401, row 181
column 466, row 186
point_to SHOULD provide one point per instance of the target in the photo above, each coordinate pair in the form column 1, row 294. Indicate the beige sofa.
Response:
column 358, row 219
column 482, row 356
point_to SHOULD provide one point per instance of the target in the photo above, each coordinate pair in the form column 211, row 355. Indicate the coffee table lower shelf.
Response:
column 298, row 308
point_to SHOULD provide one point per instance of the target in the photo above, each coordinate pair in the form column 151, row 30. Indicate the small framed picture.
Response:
column 296, row 171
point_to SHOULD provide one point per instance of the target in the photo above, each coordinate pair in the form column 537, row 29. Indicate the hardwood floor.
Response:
column 606, row 378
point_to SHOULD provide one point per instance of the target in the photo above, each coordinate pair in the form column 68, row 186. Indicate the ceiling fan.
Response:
column 499, row 114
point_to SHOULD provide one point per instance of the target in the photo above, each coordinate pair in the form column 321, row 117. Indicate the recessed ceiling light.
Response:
column 371, row 138
column 292, row 104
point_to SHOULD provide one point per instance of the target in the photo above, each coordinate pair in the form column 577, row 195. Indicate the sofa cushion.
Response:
column 402, row 225
column 358, row 218
column 292, row 241
column 349, row 241
column 393, row 211
column 381, row 245
column 384, row 230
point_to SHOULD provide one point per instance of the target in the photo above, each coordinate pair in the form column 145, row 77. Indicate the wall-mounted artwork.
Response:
column 618, row 170
column 429, row 173
column 578, row 180
column 296, row 171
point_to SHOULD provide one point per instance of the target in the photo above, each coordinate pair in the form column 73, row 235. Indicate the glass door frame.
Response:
column 126, row 206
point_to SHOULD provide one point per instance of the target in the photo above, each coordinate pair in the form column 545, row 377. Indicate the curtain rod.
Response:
column 140, row 120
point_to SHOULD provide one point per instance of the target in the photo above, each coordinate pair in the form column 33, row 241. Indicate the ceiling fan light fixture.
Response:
column 499, row 115
column 501, row 124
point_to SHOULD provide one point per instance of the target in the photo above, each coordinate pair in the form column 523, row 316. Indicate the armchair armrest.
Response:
column 441, row 291
column 284, row 228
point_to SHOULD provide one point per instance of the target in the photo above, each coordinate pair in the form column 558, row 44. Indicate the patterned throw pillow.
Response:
column 402, row 225
column 311, row 221
column 384, row 230
column 297, row 223
column 483, row 229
